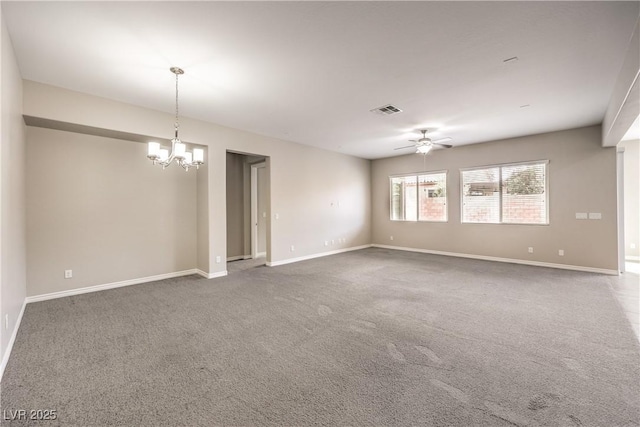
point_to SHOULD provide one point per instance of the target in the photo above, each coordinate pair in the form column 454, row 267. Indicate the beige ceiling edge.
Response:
column 62, row 109
column 89, row 130
column 71, row 110
column 624, row 106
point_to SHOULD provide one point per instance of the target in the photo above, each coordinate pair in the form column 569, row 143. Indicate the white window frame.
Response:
column 417, row 175
column 500, row 166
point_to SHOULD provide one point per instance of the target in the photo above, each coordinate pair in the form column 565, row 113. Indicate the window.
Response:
column 507, row 194
column 419, row 197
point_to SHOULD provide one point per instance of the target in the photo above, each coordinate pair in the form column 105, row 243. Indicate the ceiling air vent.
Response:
column 387, row 110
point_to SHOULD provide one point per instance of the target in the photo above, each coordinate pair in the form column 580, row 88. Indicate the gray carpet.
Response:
column 373, row 337
column 245, row 264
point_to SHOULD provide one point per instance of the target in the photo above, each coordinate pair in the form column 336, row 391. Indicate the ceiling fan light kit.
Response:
column 423, row 149
column 162, row 156
column 424, row 144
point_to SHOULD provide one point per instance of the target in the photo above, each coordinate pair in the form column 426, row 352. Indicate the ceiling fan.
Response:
column 424, row 144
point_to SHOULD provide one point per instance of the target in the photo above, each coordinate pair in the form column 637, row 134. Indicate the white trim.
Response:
column 261, row 254
column 322, row 254
column 500, row 165
column 97, row 288
column 255, row 214
column 429, row 172
column 7, row 353
column 247, row 257
column 509, row 260
column 211, row 275
column 620, row 206
column 236, row 258
column 632, row 258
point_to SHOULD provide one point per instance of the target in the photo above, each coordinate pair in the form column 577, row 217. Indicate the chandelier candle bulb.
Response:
column 188, row 157
column 154, row 150
column 163, row 154
column 180, row 150
column 198, row 155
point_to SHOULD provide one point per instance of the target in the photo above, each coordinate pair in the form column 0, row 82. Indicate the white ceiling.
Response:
column 310, row 72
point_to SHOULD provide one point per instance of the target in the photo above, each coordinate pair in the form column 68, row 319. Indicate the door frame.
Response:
column 254, row 209
column 620, row 191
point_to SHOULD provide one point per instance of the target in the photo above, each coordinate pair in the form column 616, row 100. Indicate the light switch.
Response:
column 581, row 215
column 595, row 215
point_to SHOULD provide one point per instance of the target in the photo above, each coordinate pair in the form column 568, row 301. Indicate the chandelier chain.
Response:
column 177, row 110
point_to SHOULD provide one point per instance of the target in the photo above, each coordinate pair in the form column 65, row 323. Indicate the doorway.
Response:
column 628, row 163
column 247, row 211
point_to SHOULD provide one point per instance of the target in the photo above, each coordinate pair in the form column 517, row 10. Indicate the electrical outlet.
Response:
column 390, row 237
column 68, row 274
column 218, row 259
column 326, row 243
column 561, row 252
column 530, row 249
column 293, row 248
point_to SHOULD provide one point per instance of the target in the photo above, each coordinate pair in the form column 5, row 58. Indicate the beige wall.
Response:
column 582, row 178
column 302, row 184
column 12, row 200
column 235, row 205
column 631, row 198
column 98, row 207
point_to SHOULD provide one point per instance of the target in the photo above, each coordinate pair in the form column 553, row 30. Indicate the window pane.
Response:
column 397, row 195
column 404, row 198
column 523, row 194
column 433, row 197
column 481, row 195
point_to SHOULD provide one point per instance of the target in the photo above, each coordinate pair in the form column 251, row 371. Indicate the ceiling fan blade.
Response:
column 412, row 140
column 442, row 145
column 402, row 148
column 438, row 141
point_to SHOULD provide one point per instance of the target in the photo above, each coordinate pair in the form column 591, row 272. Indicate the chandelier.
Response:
column 162, row 156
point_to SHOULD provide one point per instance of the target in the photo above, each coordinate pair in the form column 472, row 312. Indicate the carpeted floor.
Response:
column 245, row 264
column 372, row 337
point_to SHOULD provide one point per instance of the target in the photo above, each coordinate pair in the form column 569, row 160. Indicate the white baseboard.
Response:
column 247, row 256
column 261, row 254
column 7, row 353
column 306, row 257
column 508, row 260
column 211, row 275
column 97, row 288
column 632, row 258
